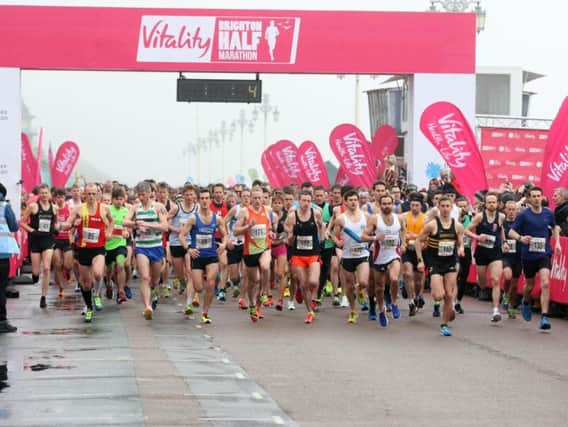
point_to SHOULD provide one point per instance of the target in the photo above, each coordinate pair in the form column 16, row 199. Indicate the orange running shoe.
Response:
column 309, row 317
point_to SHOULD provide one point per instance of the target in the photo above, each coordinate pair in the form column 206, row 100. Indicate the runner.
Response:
column 255, row 223
column 149, row 219
column 63, row 252
column 204, row 225
column 163, row 197
column 443, row 235
column 464, row 261
column 94, row 226
column 219, row 206
column 348, row 227
column 533, row 228
column 279, row 248
column 115, row 247
column 385, row 229
column 328, row 251
column 512, row 265
column 487, row 228
column 304, row 226
column 42, row 226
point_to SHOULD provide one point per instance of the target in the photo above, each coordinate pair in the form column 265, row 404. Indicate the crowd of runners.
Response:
column 365, row 249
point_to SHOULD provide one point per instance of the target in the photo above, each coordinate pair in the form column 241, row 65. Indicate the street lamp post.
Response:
column 242, row 121
column 462, row 6
column 265, row 108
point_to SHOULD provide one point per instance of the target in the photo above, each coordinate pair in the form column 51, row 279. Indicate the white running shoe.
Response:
column 291, row 305
column 344, row 302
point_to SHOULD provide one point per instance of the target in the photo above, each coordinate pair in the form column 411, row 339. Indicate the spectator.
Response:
column 560, row 198
column 390, row 175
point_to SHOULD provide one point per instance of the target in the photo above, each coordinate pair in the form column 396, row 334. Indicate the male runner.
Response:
column 465, row 260
column 220, row 207
column 115, row 247
column 512, row 264
column 63, row 252
column 235, row 247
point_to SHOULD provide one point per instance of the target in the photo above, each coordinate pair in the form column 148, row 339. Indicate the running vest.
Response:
column 150, row 238
column 389, row 248
column 306, row 241
column 222, row 210
column 62, row 215
column 514, row 252
column 280, row 231
column 179, row 221
column 414, row 226
column 327, row 212
column 117, row 240
column 236, row 240
column 256, row 238
column 442, row 245
column 8, row 244
column 490, row 229
column 351, row 247
column 203, row 236
column 44, row 220
column 466, row 239
column 91, row 229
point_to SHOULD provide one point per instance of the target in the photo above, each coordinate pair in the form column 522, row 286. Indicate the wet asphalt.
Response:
column 124, row 370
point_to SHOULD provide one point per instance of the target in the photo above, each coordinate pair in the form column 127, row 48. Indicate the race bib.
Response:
column 117, row 230
column 537, row 244
column 467, row 242
column 204, row 241
column 390, row 241
column 91, row 235
column 304, row 243
column 358, row 250
column 44, row 225
column 489, row 242
column 512, row 246
column 446, row 248
column 258, row 232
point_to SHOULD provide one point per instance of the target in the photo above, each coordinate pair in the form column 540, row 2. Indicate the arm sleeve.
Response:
column 11, row 219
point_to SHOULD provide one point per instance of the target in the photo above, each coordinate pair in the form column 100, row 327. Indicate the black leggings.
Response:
column 465, row 264
column 326, row 255
column 4, row 272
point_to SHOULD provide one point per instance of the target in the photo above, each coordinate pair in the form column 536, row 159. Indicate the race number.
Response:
column 446, row 248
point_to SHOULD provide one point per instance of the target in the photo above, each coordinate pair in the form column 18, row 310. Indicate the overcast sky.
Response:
column 130, row 126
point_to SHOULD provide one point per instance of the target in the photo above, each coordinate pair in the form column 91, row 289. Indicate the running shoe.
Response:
column 353, row 317
column 436, row 312
column 445, row 331
column 511, row 313
column 291, row 305
column 309, row 317
column 243, row 304
column 188, row 311
column 270, row 301
column 458, row 308
column 154, row 302
column 395, row 311
column 98, row 303
column 108, row 292
column 365, row 306
column 389, row 307
column 236, row 292
column 544, row 323
column 344, row 302
column 496, row 317
column 336, row 300
column 526, row 311
column 221, row 296
column 298, row 295
column 505, row 302
column 328, row 290
column 279, row 305
column 205, row 319
column 148, row 314
column 195, row 301
column 383, row 319
column 88, row 316
column 121, row 298
column 128, row 292
column 61, row 293
column 165, row 292
column 314, row 306
column 42, row 302
column 286, row 292
column 259, row 312
column 253, row 314
column 421, row 303
column 412, row 309
column 77, row 289
column 175, row 283
column 361, row 298
column 264, row 300
column 372, row 316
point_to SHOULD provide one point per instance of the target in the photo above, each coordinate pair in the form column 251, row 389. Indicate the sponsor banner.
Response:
column 384, row 144
column 353, row 153
column 555, row 163
column 514, row 155
column 10, row 129
column 313, row 164
column 341, row 177
column 558, row 282
column 270, row 172
column 39, row 155
column 285, row 158
column 65, row 160
column 29, row 164
column 112, row 38
column 448, row 130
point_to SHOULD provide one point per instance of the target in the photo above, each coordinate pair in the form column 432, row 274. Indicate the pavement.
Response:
column 172, row 371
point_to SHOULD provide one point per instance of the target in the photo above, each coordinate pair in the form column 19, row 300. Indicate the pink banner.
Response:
column 384, row 144
column 65, row 160
column 555, row 164
column 269, row 170
column 284, row 41
column 39, row 155
column 353, row 153
column 313, row 164
column 448, row 130
column 29, row 164
column 285, row 159
column 50, row 160
column 513, row 155
column 341, row 178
